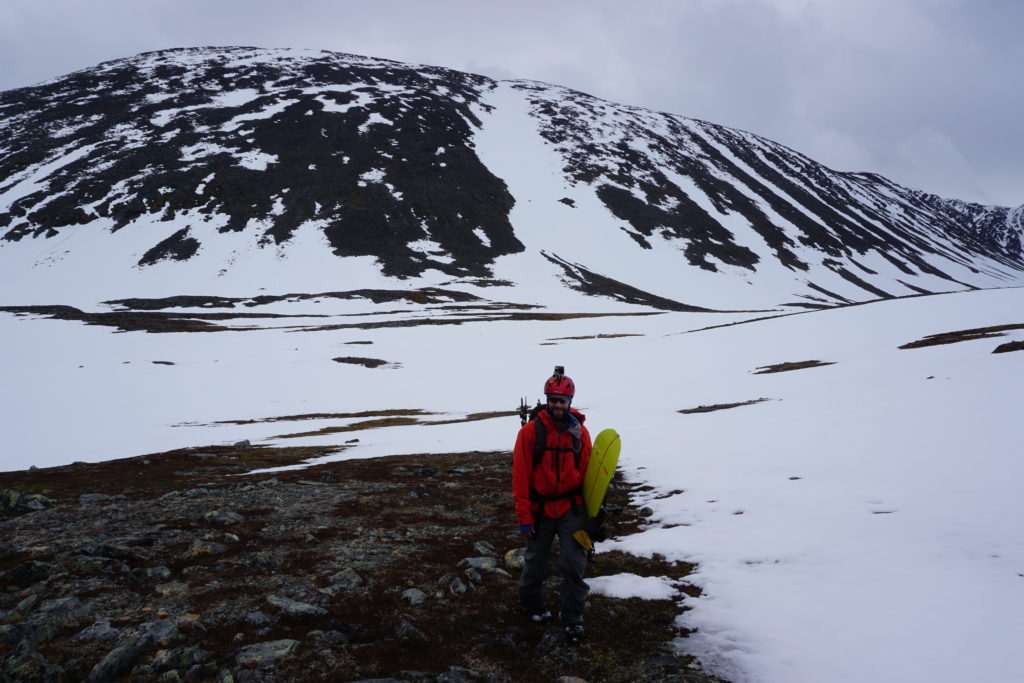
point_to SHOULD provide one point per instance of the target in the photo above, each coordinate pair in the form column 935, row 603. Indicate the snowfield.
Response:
column 862, row 523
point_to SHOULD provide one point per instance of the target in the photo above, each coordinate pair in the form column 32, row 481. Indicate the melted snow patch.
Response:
column 482, row 236
column 265, row 113
column 375, row 118
column 256, row 161
column 633, row 586
column 431, row 249
column 375, row 175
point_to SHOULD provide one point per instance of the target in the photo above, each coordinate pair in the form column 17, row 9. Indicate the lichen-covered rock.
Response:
column 111, row 551
column 171, row 588
column 265, row 654
column 11, row 634
column 258, row 618
column 460, row 587
column 515, row 558
column 478, row 562
column 458, row 674
column 408, row 633
column 265, row 560
column 484, row 548
column 223, row 517
column 330, row 638
column 414, row 596
column 160, row 573
column 25, row 663
column 498, row 571
column 294, row 608
column 9, row 499
column 180, row 658
column 347, row 578
column 31, row 571
column 99, row 631
column 202, row 547
column 118, row 661
column 163, row 632
column 93, row 499
column 26, row 605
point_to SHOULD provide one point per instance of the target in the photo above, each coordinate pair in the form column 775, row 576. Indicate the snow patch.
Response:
column 633, row 586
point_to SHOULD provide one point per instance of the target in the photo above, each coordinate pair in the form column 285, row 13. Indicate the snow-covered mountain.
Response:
column 216, row 170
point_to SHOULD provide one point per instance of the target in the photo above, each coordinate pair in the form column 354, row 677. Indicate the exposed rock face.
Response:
column 375, row 154
column 653, row 170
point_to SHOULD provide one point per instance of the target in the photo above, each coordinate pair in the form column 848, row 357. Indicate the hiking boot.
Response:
column 574, row 633
column 539, row 617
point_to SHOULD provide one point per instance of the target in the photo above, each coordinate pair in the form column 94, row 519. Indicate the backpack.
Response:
column 540, row 447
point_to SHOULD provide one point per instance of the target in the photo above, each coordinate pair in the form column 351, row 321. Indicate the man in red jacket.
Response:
column 548, row 469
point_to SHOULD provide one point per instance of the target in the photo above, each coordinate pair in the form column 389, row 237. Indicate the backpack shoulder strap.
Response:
column 541, row 433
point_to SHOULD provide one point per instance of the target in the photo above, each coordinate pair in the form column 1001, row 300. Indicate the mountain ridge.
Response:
column 383, row 160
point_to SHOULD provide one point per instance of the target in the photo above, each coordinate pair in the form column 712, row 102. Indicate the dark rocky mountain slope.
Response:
column 381, row 157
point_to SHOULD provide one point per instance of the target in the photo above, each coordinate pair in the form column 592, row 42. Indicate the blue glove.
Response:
column 526, row 529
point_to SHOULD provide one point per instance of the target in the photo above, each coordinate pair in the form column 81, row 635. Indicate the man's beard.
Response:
column 558, row 412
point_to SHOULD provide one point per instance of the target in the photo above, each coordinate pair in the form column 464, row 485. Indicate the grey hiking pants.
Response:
column 572, row 560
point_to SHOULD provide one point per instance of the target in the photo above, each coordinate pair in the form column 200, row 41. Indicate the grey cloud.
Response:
column 923, row 91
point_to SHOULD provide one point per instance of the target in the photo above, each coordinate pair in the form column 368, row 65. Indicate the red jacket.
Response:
column 555, row 474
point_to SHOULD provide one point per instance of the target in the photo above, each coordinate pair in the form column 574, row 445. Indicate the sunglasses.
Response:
column 557, row 399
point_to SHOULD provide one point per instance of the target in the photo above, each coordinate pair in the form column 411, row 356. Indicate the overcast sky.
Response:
column 926, row 92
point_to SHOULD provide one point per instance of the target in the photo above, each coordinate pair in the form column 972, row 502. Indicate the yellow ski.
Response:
column 603, row 458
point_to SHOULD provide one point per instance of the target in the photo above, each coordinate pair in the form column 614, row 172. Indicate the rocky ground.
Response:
column 180, row 566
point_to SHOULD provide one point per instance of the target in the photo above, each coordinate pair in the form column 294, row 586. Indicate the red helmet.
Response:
column 559, row 383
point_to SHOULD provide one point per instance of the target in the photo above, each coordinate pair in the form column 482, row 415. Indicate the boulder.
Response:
column 25, row 663
column 180, row 658
column 160, row 573
column 408, row 633
column 26, row 605
column 484, row 548
column 460, row 587
column 34, row 502
column 223, row 517
column 201, row 547
column 111, row 552
column 9, row 499
column 163, row 632
column 478, row 562
column 99, row 631
column 258, row 618
column 118, row 661
column 93, row 499
column 515, row 558
column 294, row 608
column 11, row 634
column 347, row 578
column 458, row 674
column 414, row 596
column 30, row 572
column 265, row 654
column 329, row 638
